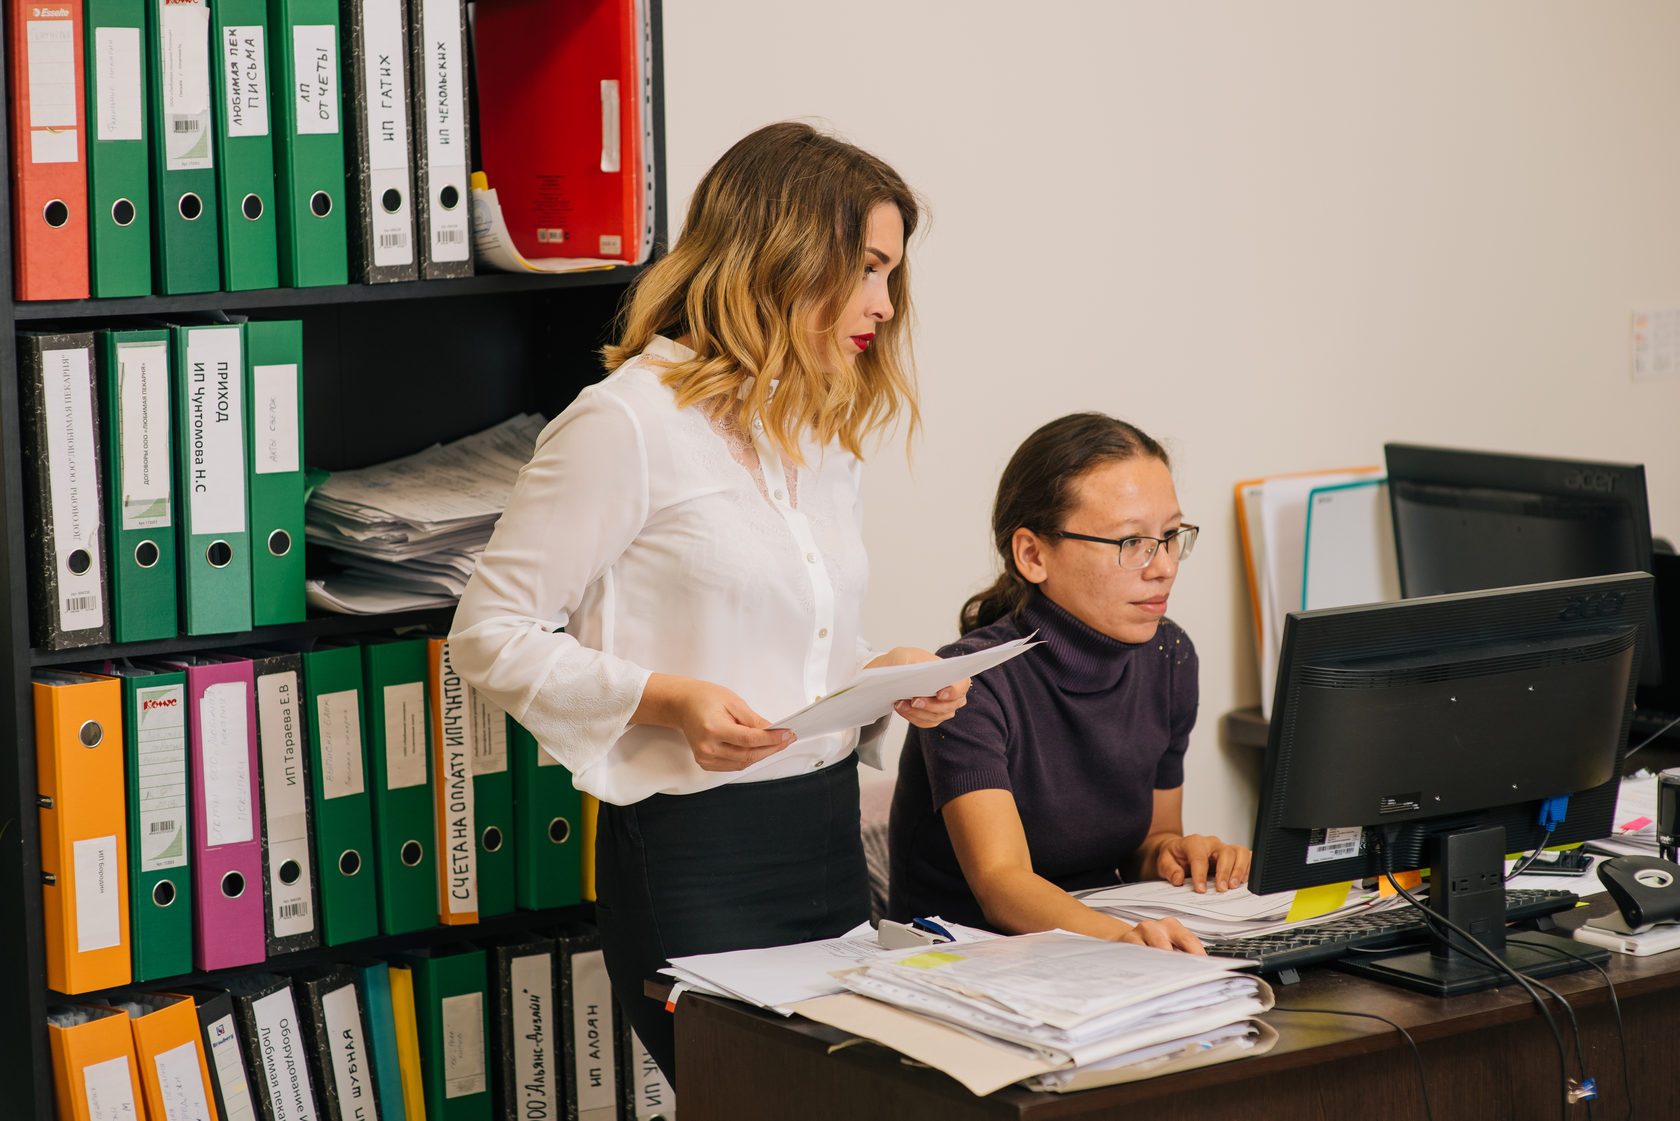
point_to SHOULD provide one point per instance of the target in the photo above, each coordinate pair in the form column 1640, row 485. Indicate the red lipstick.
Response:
column 862, row 341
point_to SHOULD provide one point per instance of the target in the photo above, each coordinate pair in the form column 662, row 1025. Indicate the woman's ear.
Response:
column 1028, row 549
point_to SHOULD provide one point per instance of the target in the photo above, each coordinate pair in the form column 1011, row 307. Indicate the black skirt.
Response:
column 732, row 868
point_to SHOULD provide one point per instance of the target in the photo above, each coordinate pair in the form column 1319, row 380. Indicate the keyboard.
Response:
column 1288, row 950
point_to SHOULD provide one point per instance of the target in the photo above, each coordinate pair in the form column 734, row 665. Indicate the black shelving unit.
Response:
column 388, row 370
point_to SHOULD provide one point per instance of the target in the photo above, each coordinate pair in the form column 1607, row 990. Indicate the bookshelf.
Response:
column 388, row 369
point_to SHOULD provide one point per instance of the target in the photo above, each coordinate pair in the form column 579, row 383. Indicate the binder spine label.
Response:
column 339, row 718
column 444, row 98
column 184, row 34
column 455, row 781
column 230, row 1070
column 463, row 1045
column 97, row 890
column 67, row 390
column 109, row 1087
column 181, row 1084
column 225, row 759
column 489, row 735
column 281, row 1049
column 161, row 739
column 52, row 89
column 532, row 1008
column 276, row 412
column 351, row 1072
column 592, row 1029
column 143, row 427
column 116, row 69
column 385, row 94
column 315, row 46
column 216, row 432
column 245, row 61
column 284, row 815
column 654, row 1097
column 405, row 735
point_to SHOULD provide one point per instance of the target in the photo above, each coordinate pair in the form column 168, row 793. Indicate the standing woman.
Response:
column 693, row 521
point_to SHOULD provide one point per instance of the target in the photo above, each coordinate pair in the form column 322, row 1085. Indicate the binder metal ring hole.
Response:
column 290, row 872
column 411, row 853
column 92, row 734
column 391, row 200
column 233, row 885
column 279, row 543
column 79, row 561
column 48, row 879
column 122, row 212
column 219, row 554
column 190, row 206
column 558, row 830
column 163, row 893
column 449, row 197
column 350, row 862
column 492, row 840
column 56, row 213
column 320, row 204
column 146, row 554
column 252, row 207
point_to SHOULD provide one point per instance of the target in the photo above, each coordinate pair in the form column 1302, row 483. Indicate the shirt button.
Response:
column 823, row 633
column 758, row 426
column 779, row 496
column 817, row 764
column 811, row 558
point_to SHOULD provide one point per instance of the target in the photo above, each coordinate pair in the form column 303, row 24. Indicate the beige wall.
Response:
column 1273, row 234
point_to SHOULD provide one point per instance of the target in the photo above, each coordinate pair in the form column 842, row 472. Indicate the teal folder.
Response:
column 332, row 678
column 134, row 378
column 399, row 777
column 309, row 143
column 214, row 531
column 547, row 826
column 244, row 145
column 275, row 488
column 186, row 245
column 492, row 807
column 450, row 1015
column 119, row 164
column 159, row 862
column 373, row 984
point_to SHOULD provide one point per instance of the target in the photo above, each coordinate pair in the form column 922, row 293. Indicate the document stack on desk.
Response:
column 1636, row 819
column 1216, row 915
column 1056, row 1010
column 408, row 533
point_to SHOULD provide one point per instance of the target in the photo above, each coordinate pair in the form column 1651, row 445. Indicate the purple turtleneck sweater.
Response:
column 1081, row 730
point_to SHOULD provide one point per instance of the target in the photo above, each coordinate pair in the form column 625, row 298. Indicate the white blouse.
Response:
column 635, row 528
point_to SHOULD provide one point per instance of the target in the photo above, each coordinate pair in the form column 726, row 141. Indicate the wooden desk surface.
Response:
column 1486, row 1055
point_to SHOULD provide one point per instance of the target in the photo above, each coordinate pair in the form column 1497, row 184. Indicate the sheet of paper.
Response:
column 493, row 245
column 872, row 693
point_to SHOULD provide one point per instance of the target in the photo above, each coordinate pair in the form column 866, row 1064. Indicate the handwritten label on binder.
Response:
column 225, row 762
column 245, row 63
column 405, row 735
column 463, row 1045
column 110, row 1091
column 315, row 51
column 116, row 76
column 181, row 1085
column 338, row 716
column 98, row 888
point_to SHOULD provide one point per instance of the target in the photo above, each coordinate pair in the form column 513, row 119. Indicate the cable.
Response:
column 1417, row 1056
column 1647, row 741
column 1615, row 1008
column 1491, row 958
column 1523, row 865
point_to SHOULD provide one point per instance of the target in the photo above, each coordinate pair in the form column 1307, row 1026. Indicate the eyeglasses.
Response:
column 1137, row 552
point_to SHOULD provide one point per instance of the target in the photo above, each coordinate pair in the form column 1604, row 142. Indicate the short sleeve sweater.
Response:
column 1080, row 730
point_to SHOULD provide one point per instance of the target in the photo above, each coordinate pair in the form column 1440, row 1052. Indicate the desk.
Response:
column 1487, row 1056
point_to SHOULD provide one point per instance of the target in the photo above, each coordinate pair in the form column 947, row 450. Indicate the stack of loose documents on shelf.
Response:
column 408, row 533
column 1057, row 1011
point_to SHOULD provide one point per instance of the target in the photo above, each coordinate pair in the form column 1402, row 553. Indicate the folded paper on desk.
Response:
column 1010, row 1009
column 872, row 693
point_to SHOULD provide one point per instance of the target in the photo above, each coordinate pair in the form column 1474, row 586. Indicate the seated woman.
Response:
column 1065, row 770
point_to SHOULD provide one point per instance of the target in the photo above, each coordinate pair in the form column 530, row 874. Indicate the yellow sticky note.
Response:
column 931, row 959
column 1311, row 902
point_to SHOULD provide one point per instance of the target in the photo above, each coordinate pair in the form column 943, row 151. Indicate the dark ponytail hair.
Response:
column 1036, row 493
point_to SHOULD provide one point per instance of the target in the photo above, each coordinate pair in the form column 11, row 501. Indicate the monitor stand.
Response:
column 1467, row 885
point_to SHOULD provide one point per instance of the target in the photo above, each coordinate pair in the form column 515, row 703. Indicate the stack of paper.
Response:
column 408, row 533
column 1058, row 1009
column 1219, row 915
column 777, row 977
column 1636, row 819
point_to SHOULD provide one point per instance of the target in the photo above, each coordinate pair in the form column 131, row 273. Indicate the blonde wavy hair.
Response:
column 772, row 250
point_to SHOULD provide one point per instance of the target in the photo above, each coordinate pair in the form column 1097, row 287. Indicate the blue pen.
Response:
column 932, row 928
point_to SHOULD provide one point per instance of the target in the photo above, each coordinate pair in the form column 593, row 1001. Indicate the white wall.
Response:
column 1272, row 234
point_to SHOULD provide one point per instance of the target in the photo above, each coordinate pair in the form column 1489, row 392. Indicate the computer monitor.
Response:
column 1431, row 732
column 1467, row 520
